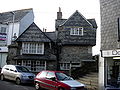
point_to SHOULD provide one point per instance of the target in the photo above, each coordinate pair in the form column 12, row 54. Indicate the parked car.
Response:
column 0, row 70
column 56, row 80
column 17, row 73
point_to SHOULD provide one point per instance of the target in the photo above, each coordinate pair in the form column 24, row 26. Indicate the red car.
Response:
column 56, row 80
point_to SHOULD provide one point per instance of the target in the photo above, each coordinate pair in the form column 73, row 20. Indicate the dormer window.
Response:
column 76, row 31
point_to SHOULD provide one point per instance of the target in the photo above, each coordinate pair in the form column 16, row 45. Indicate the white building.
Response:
column 13, row 24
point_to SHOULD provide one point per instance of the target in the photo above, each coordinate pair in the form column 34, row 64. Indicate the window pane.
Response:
column 50, row 75
column 80, row 31
column 72, row 31
column 3, row 30
column 33, row 48
column 43, row 74
column 76, row 31
column 39, row 48
column 30, row 48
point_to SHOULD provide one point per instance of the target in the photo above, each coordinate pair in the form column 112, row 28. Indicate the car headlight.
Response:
column 24, row 76
column 34, row 75
column 72, row 88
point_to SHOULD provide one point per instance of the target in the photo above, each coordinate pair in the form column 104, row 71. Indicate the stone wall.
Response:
column 110, row 11
column 12, row 52
column 75, row 54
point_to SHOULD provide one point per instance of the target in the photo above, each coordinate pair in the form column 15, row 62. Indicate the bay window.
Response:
column 32, row 48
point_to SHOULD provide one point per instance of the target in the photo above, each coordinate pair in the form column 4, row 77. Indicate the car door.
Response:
column 41, row 79
column 12, row 73
column 6, row 72
column 51, row 81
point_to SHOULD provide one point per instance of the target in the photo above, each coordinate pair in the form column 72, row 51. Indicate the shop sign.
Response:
column 110, row 53
column 3, row 49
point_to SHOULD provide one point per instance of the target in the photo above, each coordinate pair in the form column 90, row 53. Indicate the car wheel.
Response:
column 2, row 77
column 18, row 81
column 37, row 86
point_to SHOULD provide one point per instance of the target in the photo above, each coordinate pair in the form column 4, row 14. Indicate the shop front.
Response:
column 111, row 69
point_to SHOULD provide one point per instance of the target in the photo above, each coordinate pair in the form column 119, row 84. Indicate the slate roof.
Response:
column 59, row 22
column 78, row 16
column 93, row 22
column 33, row 34
column 51, row 35
column 7, row 17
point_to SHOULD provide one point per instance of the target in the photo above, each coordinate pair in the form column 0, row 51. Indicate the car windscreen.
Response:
column 22, row 69
column 62, row 76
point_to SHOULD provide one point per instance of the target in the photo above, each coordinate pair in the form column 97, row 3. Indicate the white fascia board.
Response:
column 111, row 53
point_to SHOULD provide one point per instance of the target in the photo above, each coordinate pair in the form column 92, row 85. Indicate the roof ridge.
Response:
column 80, row 14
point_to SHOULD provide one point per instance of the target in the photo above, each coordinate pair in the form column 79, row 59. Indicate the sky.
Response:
column 45, row 12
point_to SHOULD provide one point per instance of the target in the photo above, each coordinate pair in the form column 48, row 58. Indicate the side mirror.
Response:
column 53, row 78
column 15, row 71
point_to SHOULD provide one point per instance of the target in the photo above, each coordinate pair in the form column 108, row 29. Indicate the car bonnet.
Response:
column 27, row 73
column 73, row 83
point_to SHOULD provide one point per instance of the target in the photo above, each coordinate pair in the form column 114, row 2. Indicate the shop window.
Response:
column 113, row 75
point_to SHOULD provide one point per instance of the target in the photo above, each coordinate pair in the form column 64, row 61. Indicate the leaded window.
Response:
column 76, row 31
column 33, row 65
column 32, row 48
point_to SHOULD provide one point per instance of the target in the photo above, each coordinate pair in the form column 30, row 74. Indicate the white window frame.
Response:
column 64, row 66
column 3, row 31
column 32, row 48
column 38, row 66
column 76, row 31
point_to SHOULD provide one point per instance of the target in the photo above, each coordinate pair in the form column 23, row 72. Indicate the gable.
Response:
column 77, row 30
column 33, row 34
column 77, row 19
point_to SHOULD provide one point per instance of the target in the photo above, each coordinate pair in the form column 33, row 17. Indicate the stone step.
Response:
column 88, row 77
column 92, row 75
column 90, row 80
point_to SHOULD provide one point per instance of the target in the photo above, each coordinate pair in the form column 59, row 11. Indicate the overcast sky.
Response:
column 45, row 11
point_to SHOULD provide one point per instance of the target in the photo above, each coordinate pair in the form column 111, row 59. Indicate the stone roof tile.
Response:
column 33, row 34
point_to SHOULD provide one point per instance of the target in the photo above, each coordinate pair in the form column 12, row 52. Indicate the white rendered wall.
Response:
column 3, row 57
column 101, row 73
column 26, row 21
column 15, row 28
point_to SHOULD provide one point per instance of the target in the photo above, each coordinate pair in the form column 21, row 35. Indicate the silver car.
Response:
column 17, row 73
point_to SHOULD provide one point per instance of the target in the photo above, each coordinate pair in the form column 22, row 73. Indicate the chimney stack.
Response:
column 59, row 14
